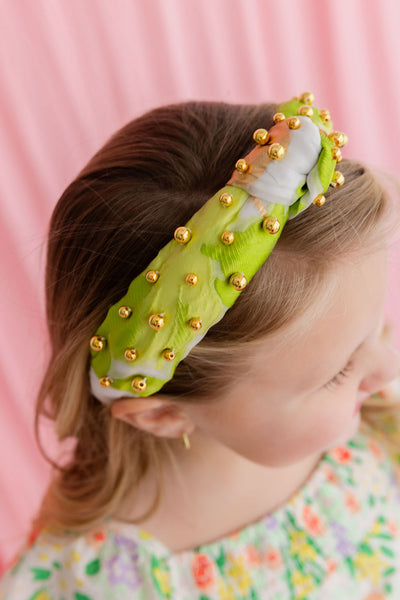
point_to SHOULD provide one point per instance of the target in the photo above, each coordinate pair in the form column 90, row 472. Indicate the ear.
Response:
column 155, row 414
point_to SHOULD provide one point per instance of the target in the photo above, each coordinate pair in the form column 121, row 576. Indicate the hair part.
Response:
column 108, row 225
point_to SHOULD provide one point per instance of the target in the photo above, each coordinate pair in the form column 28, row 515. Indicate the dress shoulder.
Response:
column 102, row 565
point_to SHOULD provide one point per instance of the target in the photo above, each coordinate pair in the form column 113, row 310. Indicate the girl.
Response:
column 243, row 473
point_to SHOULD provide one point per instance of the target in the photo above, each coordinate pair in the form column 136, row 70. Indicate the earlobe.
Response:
column 157, row 416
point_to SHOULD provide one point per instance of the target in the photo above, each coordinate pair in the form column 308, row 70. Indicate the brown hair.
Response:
column 110, row 222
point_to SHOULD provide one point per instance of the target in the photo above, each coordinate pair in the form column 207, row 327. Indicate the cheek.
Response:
column 310, row 427
column 280, row 433
column 332, row 409
column 333, row 418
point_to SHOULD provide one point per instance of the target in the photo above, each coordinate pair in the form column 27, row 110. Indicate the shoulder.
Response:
column 102, row 564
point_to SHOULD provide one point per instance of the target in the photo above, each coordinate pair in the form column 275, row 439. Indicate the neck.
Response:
column 210, row 491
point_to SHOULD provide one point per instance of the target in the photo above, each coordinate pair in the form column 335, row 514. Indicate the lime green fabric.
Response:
column 212, row 261
column 291, row 108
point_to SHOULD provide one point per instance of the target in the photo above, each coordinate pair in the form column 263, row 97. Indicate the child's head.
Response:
column 273, row 345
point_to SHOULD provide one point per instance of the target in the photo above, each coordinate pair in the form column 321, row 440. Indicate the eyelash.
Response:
column 338, row 378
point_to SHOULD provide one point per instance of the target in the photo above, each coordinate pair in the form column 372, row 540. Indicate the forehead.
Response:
column 318, row 346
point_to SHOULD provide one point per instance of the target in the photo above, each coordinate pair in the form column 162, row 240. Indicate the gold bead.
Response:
column 227, row 237
column 97, row 343
column 319, row 200
column 307, row 98
column 238, row 281
column 191, row 279
column 324, row 115
column 336, row 154
column 226, row 199
column 139, row 384
column 337, row 179
column 305, row 111
column 152, row 276
column 157, row 321
column 338, row 138
column 278, row 117
column 105, row 381
column 294, row 123
column 124, row 312
column 242, row 166
column 271, row 225
column 168, row 354
column 195, row 323
column 130, row 354
column 276, row 151
column 182, row 235
column 261, row 136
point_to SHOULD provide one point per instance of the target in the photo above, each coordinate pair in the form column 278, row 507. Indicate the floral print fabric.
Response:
column 338, row 537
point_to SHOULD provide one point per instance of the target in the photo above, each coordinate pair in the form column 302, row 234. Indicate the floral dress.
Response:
column 337, row 538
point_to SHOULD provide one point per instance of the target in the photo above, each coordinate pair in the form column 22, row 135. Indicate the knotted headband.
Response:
column 199, row 274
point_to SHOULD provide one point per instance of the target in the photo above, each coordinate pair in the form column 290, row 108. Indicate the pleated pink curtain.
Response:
column 72, row 72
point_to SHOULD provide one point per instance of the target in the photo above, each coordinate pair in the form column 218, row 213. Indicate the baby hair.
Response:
column 110, row 222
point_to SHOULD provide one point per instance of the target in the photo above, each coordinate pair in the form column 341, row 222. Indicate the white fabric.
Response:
column 280, row 180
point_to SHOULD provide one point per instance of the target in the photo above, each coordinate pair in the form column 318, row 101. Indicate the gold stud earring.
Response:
column 191, row 279
column 238, row 281
column 124, row 312
column 97, row 343
column 225, row 199
column 271, row 225
column 139, row 384
column 152, row 276
column 182, row 235
column 185, row 441
column 261, row 137
column 276, row 151
column 242, row 166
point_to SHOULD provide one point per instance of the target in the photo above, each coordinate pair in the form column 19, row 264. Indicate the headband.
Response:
column 199, row 274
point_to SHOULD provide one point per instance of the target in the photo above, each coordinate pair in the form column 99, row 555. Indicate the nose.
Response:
column 384, row 369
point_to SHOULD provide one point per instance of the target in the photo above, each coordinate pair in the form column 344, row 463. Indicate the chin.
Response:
column 350, row 432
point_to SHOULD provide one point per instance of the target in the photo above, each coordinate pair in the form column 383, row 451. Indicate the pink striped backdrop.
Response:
column 72, row 72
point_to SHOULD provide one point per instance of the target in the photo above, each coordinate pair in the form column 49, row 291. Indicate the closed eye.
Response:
column 339, row 377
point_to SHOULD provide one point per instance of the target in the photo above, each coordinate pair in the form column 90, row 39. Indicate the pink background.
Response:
column 71, row 72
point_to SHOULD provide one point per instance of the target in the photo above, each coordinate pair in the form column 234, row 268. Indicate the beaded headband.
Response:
column 199, row 274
